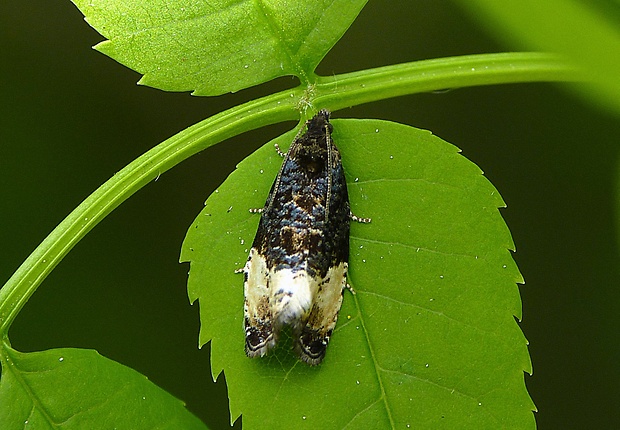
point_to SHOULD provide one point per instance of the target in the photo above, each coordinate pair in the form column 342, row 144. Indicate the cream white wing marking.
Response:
column 314, row 336
column 259, row 335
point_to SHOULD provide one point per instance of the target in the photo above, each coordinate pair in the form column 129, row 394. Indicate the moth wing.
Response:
column 313, row 337
column 258, row 321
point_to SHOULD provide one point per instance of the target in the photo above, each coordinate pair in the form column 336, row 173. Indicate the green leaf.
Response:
column 428, row 341
column 79, row 389
column 585, row 32
column 218, row 46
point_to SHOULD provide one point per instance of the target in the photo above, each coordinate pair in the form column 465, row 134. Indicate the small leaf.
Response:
column 80, row 389
column 218, row 46
column 428, row 341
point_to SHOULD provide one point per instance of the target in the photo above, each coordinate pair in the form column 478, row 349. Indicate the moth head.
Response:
column 319, row 124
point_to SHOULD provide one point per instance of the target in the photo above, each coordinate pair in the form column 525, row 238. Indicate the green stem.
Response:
column 24, row 282
column 333, row 92
column 351, row 89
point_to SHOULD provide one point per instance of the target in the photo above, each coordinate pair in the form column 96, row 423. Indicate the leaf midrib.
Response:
column 13, row 367
column 299, row 72
column 376, row 366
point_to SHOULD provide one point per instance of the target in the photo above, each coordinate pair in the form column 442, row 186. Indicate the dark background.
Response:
column 71, row 117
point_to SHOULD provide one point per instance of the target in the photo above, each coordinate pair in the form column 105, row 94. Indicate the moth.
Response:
column 296, row 272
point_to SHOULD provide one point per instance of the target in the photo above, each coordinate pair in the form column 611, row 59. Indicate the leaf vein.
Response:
column 452, row 390
column 164, row 24
column 277, row 33
column 417, row 248
column 377, row 367
column 36, row 403
column 382, row 180
column 99, row 405
column 370, row 405
column 416, row 306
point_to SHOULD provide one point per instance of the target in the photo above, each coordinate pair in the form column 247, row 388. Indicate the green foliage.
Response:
column 79, row 389
column 429, row 339
column 218, row 46
column 583, row 31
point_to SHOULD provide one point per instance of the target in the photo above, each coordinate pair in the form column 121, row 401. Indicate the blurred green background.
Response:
column 70, row 118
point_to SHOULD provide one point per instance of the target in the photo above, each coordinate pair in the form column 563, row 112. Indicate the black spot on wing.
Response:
column 311, row 346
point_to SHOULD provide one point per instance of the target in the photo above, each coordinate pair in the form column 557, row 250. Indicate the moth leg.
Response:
column 350, row 288
column 279, row 151
column 256, row 210
column 313, row 337
column 359, row 219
